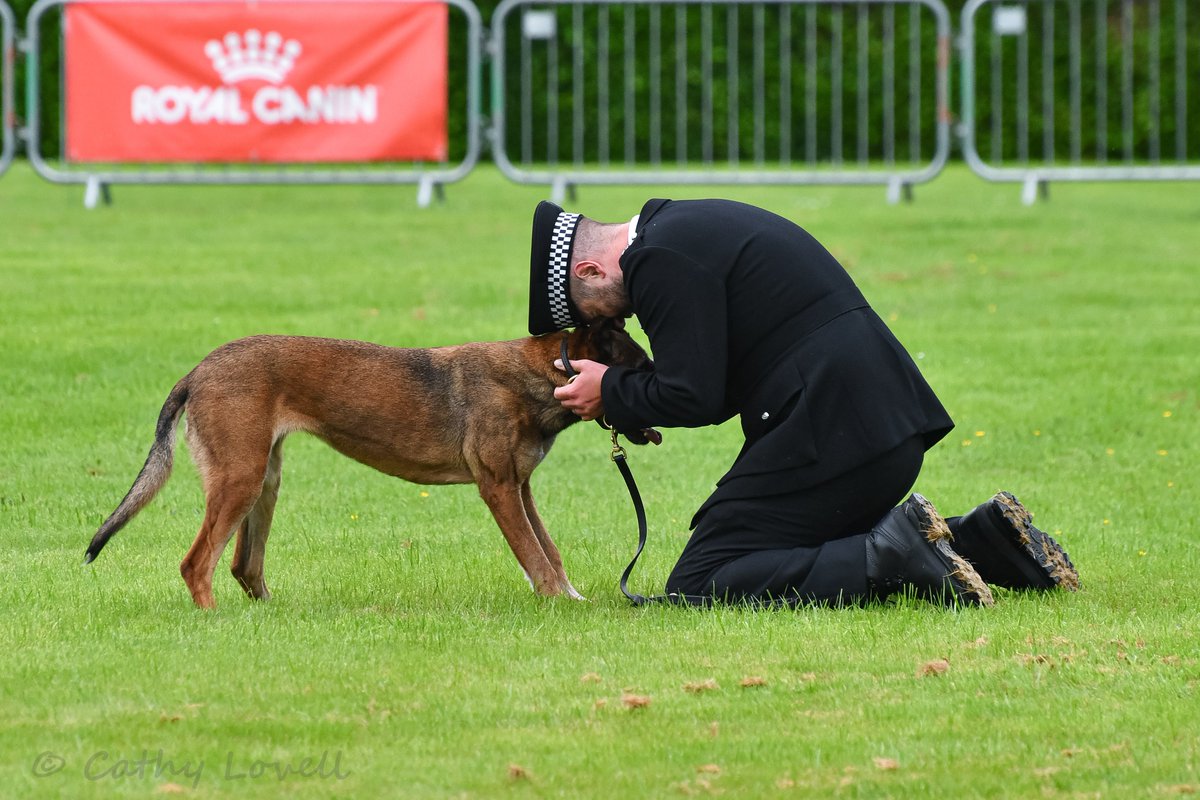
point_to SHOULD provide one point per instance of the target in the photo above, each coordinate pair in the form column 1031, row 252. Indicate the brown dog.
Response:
column 480, row 413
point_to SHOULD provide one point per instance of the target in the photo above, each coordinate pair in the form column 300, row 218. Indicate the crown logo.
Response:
column 252, row 56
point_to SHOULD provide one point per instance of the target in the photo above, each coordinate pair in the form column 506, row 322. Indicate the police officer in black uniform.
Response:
column 748, row 314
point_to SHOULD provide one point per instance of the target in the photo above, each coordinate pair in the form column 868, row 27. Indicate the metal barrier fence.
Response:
column 769, row 92
column 1080, row 90
column 429, row 178
column 758, row 91
column 8, row 144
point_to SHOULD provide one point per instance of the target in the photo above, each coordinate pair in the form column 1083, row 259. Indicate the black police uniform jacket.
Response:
column 748, row 314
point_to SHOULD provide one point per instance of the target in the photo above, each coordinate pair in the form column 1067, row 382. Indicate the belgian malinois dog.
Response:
column 480, row 413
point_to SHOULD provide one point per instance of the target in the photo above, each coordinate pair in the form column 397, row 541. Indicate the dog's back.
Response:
column 404, row 411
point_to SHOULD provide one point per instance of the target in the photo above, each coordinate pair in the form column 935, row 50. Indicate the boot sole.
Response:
column 969, row 586
column 1040, row 546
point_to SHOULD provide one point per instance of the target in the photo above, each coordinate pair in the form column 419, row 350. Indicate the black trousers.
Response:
column 808, row 546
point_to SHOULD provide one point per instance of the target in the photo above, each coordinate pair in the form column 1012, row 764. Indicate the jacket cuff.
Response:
column 616, row 412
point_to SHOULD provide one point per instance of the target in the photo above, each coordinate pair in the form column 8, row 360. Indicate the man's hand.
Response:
column 582, row 394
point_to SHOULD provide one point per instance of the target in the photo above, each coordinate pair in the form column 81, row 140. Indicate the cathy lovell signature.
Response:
column 104, row 765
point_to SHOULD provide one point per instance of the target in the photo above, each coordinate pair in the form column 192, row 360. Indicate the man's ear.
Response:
column 587, row 270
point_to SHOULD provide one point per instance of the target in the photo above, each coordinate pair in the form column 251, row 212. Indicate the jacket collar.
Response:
column 651, row 208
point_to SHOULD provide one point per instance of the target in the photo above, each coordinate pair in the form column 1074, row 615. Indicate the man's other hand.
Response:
column 582, row 395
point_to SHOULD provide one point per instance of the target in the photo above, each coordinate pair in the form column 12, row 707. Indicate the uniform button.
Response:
column 766, row 415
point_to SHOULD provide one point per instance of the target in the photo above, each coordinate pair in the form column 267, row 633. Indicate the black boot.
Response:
column 998, row 537
column 910, row 548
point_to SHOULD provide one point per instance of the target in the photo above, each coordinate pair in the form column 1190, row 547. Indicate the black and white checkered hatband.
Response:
column 556, row 284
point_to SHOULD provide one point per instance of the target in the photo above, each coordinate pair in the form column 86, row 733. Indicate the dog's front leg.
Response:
column 504, row 500
column 548, row 547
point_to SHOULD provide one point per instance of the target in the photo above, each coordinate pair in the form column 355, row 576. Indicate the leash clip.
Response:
column 618, row 452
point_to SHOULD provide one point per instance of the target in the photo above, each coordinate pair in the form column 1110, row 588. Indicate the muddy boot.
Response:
column 910, row 548
column 999, row 539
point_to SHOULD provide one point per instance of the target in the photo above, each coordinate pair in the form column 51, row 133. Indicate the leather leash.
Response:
column 639, row 509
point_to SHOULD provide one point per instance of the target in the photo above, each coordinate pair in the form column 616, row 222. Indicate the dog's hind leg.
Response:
column 229, row 496
column 548, row 546
column 250, row 550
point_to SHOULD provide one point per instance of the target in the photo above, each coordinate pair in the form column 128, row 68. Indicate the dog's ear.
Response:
column 612, row 344
column 597, row 341
column 610, row 341
column 603, row 329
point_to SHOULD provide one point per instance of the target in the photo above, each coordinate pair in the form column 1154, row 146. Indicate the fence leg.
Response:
column 897, row 190
column 427, row 191
column 561, row 189
column 1033, row 188
column 95, row 191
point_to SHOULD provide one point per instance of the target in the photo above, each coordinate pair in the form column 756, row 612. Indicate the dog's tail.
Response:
column 154, row 472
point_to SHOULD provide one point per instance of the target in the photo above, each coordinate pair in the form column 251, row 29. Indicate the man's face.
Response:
column 598, row 289
column 605, row 298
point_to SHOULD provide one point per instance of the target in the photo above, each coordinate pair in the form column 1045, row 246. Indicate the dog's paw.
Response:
column 571, row 592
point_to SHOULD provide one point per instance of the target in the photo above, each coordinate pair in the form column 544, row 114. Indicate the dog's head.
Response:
column 607, row 342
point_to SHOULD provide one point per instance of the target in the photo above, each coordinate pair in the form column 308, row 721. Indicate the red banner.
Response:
column 256, row 82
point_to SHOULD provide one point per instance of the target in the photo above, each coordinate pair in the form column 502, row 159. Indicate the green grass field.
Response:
column 403, row 654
